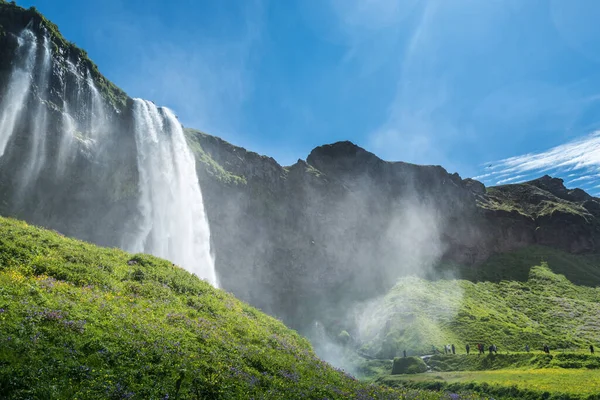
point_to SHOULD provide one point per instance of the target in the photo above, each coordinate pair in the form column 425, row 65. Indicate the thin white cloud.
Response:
column 584, row 178
column 508, row 180
column 579, row 158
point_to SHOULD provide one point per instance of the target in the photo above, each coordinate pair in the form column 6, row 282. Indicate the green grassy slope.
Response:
column 581, row 269
column 417, row 314
column 530, row 200
column 82, row 322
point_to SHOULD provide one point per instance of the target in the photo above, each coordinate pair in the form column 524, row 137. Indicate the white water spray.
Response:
column 37, row 151
column 18, row 87
column 174, row 223
column 97, row 112
column 65, row 153
column 67, row 134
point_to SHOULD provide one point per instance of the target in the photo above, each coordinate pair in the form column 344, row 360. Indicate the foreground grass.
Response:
column 578, row 383
column 521, row 360
column 82, row 322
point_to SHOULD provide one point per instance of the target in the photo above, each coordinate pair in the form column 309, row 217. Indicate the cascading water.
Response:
column 69, row 161
column 37, row 150
column 67, row 133
column 18, row 87
column 64, row 153
column 174, row 223
column 97, row 116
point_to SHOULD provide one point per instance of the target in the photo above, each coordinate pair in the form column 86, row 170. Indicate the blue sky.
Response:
column 505, row 90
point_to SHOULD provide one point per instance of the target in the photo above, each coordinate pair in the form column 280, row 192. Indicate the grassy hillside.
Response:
column 418, row 315
column 581, row 269
column 531, row 200
column 82, row 322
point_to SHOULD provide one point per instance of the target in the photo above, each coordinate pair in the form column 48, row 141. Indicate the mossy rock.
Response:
column 344, row 337
column 408, row 365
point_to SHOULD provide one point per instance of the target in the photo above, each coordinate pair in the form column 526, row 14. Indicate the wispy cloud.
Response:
column 464, row 82
column 418, row 122
column 578, row 159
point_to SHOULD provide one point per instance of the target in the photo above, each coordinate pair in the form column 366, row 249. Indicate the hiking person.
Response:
column 491, row 348
column 546, row 349
column 495, row 349
column 592, row 348
column 445, row 349
column 468, row 348
column 527, row 348
column 404, row 353
column 453, row 349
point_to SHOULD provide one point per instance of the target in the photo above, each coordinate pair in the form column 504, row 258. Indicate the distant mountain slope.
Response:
column 79, row 321
column 546, row 309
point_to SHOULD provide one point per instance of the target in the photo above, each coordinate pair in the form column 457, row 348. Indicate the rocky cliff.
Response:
column 300, row 242
column 62, row 160
column 344, row 224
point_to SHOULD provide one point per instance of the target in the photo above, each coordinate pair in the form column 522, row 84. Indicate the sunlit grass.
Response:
column 83, row 322
column 552, row 380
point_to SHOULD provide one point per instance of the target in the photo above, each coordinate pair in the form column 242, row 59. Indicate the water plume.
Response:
column 36, row 158
column 174, row 224
column 19, row 86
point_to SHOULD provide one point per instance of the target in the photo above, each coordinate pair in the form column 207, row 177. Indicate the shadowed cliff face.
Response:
column 64, row 163
column 303, row 242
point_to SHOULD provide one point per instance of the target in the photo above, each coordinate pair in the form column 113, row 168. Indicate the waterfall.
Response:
column 64, row 154
column 37, row 151
column 174, row 225
column 18, row 87
column 97, row 116
column 74, row 168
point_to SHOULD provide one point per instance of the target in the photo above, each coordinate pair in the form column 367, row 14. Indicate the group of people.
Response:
column 493, row 349
column 451, row 349
column 481, row 348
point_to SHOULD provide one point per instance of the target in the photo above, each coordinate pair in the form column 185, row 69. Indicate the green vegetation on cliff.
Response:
column 14, row 18
column 79, row 321
column 529, row 200
column 213, row 168
column 420, row 316
column 581, row 269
